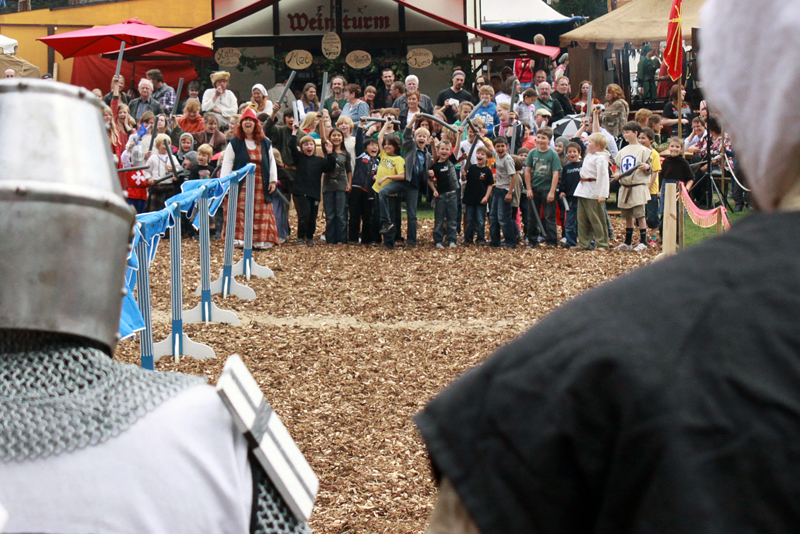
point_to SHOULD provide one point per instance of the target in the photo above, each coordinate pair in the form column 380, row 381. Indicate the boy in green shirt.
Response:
column 542, row 168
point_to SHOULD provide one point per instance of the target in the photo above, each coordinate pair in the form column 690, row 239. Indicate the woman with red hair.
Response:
column 249, row 145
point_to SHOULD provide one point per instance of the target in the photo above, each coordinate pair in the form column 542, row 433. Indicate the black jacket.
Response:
column 308, row 174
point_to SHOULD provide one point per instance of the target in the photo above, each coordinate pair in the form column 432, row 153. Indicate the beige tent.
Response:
column 636, row 23
column 23, row 68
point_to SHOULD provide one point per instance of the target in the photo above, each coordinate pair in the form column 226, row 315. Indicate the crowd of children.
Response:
column 498, row 157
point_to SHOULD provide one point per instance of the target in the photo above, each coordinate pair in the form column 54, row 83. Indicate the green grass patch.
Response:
column 693, row 234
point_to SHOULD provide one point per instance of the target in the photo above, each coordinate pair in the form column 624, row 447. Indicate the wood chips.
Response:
column 349, row 342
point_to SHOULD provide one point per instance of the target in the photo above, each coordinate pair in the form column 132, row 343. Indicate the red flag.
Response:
column 673, row 55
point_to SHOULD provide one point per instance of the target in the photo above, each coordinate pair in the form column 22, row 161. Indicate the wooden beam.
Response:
column 670, row 236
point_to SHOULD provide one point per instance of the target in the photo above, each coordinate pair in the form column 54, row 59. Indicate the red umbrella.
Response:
column 92, row 41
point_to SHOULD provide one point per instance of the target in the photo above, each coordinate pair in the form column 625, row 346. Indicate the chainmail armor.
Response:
column 270, row 513
column 61, row 393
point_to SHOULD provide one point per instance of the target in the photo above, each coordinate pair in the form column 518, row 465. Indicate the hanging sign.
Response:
column 419, row 58
column 299, row 59
column 227, row 57
column 331, row 45
column 358, row 59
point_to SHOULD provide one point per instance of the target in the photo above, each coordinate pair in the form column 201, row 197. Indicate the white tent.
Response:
column 496, row 11
column 8, row 45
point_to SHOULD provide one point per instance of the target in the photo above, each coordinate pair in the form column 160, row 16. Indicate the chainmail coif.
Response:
column 61, row 393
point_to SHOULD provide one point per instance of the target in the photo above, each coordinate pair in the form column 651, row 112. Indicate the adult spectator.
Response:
column 145, row 101
column 309, row 101
column 413, row 109
column 219, row 99
column 648, row 65
column 539, row 76
column 258, row 99
column 123, row 98
column 480, row 81
column 354, row 107
column 249, row 145
column 616, row 113
column 161, row 91
column 398, row 90
column 412, row 84
column 211, row 135
column 335, row 103
column 580, row 102
column 590, row 126
column 384, row 99
column 10, row 73
column 563, row 67
column 279, row 130
column 193, row 91
column 369, row 97
column 697, row 139
column 275, row 93
column 665, row 83
column 449, row 99
column 704, row 110
column 505, row 91
column 523, row 71
column 547, row 102
column 561, row 94
column 670, row 114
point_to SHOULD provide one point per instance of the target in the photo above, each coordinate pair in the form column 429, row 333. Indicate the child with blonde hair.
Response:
column 592, row 192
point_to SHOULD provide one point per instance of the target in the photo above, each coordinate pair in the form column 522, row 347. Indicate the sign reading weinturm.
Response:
column 365, row 18
column 314, row 17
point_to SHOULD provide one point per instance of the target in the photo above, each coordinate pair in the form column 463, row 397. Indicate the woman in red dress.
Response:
column 249, row 145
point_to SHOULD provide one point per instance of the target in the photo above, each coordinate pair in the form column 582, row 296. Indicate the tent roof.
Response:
column 638, row 22
column 8, row 45
column 230, row 18
column 493, row 12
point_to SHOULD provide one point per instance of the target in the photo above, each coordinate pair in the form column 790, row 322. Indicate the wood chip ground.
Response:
column 349, row 342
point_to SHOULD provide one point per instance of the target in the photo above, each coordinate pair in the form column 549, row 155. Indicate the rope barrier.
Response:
column 703, row 218
column 730, row 169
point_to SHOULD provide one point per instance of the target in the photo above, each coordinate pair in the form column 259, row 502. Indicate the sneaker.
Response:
column 640, row 247
column 386, row 228
column 653, row 242
column 623, row 247
column 439, row 245
column 452, row 245
column 563, row 241
column 310, row 243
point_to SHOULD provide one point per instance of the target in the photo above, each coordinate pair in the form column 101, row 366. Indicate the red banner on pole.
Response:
column 673, row 55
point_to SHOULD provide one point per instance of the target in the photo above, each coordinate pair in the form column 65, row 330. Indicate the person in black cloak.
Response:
column 655, row 403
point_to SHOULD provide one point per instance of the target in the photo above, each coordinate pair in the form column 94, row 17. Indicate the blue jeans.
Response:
column 476, row 223
column 571, row 231
column 446, row 211
column 412, row 194
column 500, row 219
column 541, row 204
column 335, row 203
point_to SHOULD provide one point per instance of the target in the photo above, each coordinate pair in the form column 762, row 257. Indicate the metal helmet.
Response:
column 64, row 225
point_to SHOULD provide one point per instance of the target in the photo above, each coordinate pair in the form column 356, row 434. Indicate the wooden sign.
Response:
column 227, row 57
column 331, row 45
column 419, row 58
column 358, row 59
column 299, row 59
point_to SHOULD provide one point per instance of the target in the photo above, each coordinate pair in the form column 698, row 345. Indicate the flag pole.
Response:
column 680, row 105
